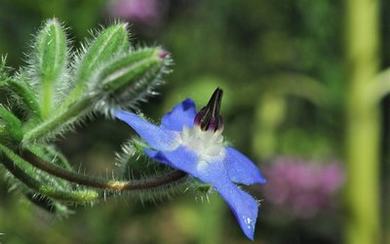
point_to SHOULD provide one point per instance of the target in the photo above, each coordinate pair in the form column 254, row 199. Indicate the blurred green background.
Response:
column 280, row 64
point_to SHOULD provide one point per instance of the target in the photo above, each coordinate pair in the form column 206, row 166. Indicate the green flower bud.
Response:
column 50, row 64
column 107, row 44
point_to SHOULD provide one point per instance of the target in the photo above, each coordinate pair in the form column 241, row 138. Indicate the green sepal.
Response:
column 133, row 163
column 129, row 68
column 52, row 206
column 130, row 78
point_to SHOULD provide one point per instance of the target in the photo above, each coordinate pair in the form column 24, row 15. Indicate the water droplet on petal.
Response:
column 250, row 223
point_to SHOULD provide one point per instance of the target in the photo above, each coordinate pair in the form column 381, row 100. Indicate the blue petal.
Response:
column 156, row 137
column 182, row 114
column 241, row 169
column 180, row 158
column 187, row 161
column 244, row 206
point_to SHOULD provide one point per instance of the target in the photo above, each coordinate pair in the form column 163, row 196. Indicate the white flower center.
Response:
column 207, row 144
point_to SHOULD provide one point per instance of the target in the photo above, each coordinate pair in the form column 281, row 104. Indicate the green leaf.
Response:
column 131, row 67
column 50, row 64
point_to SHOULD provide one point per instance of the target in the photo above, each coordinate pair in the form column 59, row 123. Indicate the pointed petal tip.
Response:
column 188, row 103
column 250, row 236
column 244, row 207
column 248, row 225
column 258, row 177
column 261, row 179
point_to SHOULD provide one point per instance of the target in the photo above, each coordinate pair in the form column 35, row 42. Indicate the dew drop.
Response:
column 250, row 223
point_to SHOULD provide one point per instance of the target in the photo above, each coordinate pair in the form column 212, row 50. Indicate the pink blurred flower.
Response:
column 302, row 188
column 146, row 12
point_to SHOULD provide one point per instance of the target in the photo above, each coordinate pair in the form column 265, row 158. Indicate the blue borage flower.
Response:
column 193, row 142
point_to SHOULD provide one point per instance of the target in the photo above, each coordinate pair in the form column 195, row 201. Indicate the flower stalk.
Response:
column 362, row 123
column 12, row 163
column 109, row 185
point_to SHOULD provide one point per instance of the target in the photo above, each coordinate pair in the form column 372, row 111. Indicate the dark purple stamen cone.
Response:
column 209, row 118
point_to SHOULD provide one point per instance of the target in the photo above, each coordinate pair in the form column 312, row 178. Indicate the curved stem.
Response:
column 69, row 196
column 113, row 185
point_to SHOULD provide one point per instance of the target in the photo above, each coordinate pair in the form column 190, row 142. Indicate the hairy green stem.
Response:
column 113, row 185
column 83, row 196
column 362, row 123
column 48, row 126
